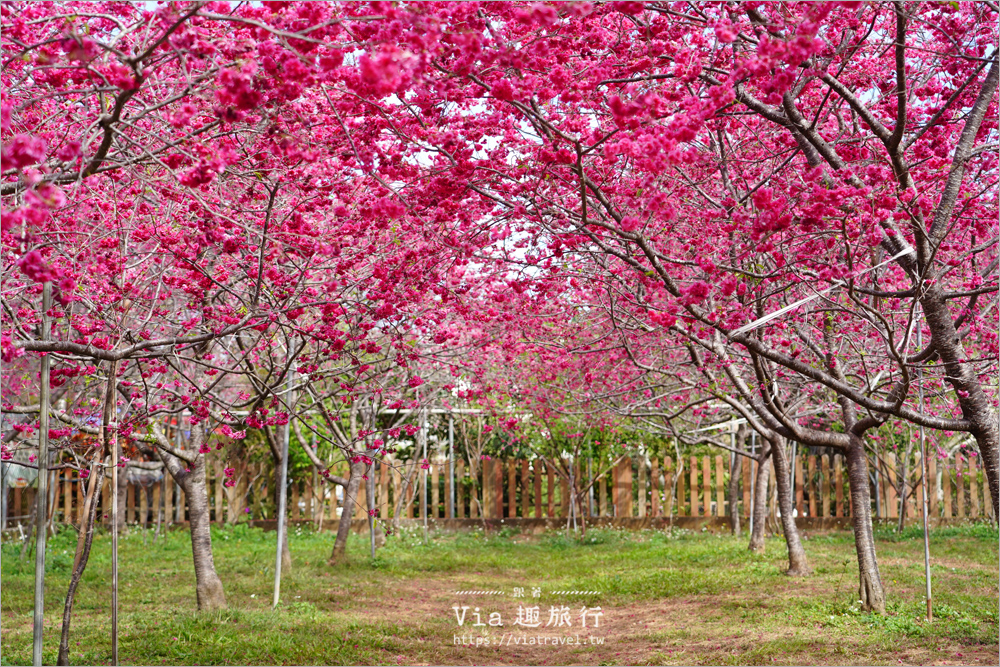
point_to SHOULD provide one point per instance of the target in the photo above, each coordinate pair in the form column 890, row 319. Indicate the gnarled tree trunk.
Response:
column 870, row 591
column 190, row 475
column 207, row 582
column 84, row 540
column 357, row 471
column 760, row 499
column 798, row 565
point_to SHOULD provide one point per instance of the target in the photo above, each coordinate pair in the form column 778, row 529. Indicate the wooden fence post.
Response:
column 18, row 504
column 615, row 475
column 668, row 485
column 307, row 499
column 811, row 483
column 946, row 484
column 295, row 500
column 913, row 509
column 448, row 484
column 932, row 498
column 129, row 504
column 974, row 509
column 824, row 462
column 918, row 488
column 383, row 490
column 602, row 498
column 706, row 486
column 496, row 490
column 746, row 487
column 838, row 482
column 432, row 511
column 563, row 497
column 656, row 491
column 460, row 489
column 892, row 496
column 78, row 514
column 536, row 481
column 68, row 516
column 988, row 509
column 214, row 486
column 720, row 497
column 486, row 509
column 498, row 482
column 525, row 486
column 682, row 497
column 143, row 505
column 799, row 491
column 157, row 495
column 959, row 488
column 551, row 491
column 168, row 498
column 694, row 487
column 642, row 488
column 512, row 488
column 626, row 491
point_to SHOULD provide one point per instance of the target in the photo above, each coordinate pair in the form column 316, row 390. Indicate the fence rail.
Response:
column 654, row 487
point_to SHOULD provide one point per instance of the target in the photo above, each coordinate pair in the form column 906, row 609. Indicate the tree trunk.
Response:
column 207, row 582
column 870, row 591
column 408, row 475
column 83, row 544
column 797, row 562
column 350, row 502
column 734, row 490
column 760, row 499
column 962, row 375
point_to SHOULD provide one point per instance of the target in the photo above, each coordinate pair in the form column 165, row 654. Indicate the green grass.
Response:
column 667, row 598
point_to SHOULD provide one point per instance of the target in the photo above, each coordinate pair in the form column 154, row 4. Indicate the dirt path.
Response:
column 677, row 631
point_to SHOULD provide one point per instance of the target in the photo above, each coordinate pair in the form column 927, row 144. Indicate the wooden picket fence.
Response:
column 521, row 488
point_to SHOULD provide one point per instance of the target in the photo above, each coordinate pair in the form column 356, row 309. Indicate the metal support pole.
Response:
column 370, row 487
column 733, row 510
column 282, row 505
column 41, row 512
column 572, row 494
column 753, row 477
column 926, row 487
column 370, row 492
column 115, row 457
column 175, row 488
column 791, row 473
column 451, row 465
column 423, row 472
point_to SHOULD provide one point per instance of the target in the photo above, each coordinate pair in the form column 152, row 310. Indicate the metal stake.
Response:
column 451, row 465
column 753, row 477
column 113, row 426
column 423, row 473
column 41, row 513
column 926, row 487
column 282, row 503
